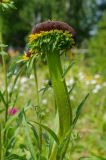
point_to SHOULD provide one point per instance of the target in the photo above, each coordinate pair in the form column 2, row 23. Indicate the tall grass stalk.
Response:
column 4, row 68
column 37, row 106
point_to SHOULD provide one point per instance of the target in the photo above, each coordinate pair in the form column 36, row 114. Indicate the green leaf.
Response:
column 1, row 110
column 28, row 137
column 10, row 121
column 5, row 6
column 68, row 68
column 35, row 134
column 2, row 99
column 78, row 111
column 15, row 157
column 15, row 66
column 70, row 91
column 11, row 5
column 3, row 53
column 92, row 158
column 30, row 65
column 3, row 46
column 51, row 132
column 62, row 148
column 45, row 88
column 20, row 117
column 15, row 81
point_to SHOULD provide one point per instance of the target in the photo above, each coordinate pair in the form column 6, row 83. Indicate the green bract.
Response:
column 54, row 40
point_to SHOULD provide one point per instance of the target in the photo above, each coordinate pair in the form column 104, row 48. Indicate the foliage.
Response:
column 80, row 14
column 97, row 50
column 28, row 108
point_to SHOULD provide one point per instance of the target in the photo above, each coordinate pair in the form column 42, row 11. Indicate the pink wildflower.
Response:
column 12, row 111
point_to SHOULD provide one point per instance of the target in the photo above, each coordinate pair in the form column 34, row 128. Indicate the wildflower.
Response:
column 97, row 76
column 71, row 81
column 93, row 81
column 81, row 76
column 12, row 111
column 27, row 55
column 87, row 82
column 23, row 80
column 97, row 88
column 71, row 97
column 104, row 84
column 44, row 101
column 50, row 35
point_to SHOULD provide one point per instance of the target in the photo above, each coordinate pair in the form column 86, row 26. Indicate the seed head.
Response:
column 53, row 25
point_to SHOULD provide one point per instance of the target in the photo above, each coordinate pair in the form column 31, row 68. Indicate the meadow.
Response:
column 51, row 110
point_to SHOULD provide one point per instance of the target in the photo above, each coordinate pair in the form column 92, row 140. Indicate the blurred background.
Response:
column 88, row 18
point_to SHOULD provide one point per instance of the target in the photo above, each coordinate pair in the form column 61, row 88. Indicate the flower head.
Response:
column 27, row 55
column 50, row 36
column 12, row 111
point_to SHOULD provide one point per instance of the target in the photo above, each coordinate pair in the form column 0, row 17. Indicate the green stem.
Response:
column 38, row 105
column 0, row 143
column 5, row 71
column 61, row 97
column 5, row 84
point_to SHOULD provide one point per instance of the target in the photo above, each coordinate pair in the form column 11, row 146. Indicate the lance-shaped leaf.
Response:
column 78, row 111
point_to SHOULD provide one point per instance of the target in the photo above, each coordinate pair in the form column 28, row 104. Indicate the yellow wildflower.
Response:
column 25, row 57
column 34, row 36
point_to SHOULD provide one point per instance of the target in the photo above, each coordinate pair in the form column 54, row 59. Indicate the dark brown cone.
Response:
column 52, row 25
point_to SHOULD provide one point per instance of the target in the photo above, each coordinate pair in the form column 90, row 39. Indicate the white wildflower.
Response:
column 87, row 82
column 97, row 76
column 32, row 76
column 97, row 88
column 81, row 76
column 23, row 80
column 71, row 81
column 93, row 81
column 44, row 101
column 104, row 84
column 71, row 97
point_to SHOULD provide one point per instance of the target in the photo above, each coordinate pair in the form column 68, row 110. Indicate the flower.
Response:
column 23, row 80
column 27, row 55
column 44, row 101
column 93, row 81
column 97, row 88
column 49, row 36
column 12, row 111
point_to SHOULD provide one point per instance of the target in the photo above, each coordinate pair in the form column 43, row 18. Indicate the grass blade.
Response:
column 54, row 136
column 2, row 99
column 79, row 108
column 68, row 68
column 72, row 88
column 29, row 142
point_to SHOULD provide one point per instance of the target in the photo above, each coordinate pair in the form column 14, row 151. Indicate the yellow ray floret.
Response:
column 25, row 57
column 35, row 36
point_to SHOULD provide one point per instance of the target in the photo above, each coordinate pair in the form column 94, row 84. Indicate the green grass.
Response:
column 89, row 136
